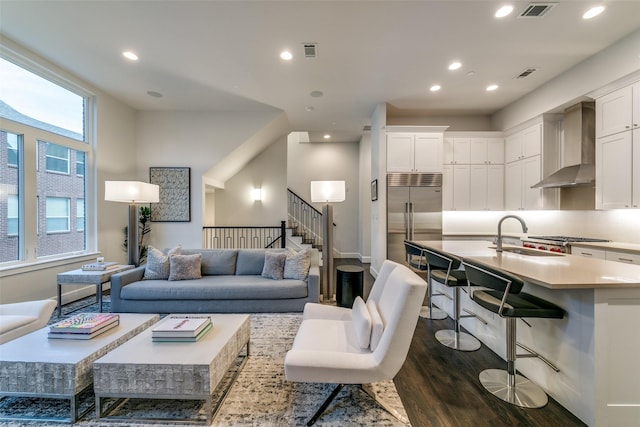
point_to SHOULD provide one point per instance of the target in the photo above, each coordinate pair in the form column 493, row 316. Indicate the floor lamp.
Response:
column 327, row 192
column 132, row 192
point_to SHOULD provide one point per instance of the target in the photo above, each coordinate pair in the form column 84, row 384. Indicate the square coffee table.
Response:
column 144, row 369
column 36, row 366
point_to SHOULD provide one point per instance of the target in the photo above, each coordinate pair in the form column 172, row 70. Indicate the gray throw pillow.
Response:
column 157, row 267
column 274, row 265
column 297, row 264
column 185, row 267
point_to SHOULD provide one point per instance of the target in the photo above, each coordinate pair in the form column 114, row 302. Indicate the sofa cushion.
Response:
column 216, row 261
column 297, row 264
column 250, row 261
column 158, row 266
column 322, row 335
column 185, row 267
column 9, row 322
column 377, row 327
column 361, row 320
column 216, row 287
column 274, row 265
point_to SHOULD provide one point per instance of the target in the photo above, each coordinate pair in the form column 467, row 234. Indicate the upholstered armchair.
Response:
column 367, row 346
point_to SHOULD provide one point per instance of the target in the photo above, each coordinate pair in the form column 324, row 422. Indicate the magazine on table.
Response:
column 85, row 323
column 181, row 326
column 202, row 333
column 100, row 266
column 82, row 336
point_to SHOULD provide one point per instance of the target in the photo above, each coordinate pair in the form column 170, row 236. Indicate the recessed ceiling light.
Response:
column 310, row 108
column 593, row 12
column 286, row 55
column 327, row 136
column 454, row 65
column 130, row 55
column 435, row 88
column 491, row 88
column 504, row 11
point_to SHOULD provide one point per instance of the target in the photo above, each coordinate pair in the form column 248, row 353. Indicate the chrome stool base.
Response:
column 460, row 341
column 524, row 393
column 433, row 313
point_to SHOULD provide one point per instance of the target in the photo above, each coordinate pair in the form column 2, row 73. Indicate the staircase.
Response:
column 304, row 224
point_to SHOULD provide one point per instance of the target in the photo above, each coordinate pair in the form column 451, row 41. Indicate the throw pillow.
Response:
column 274, row 265
column 157, row 267
column 361, row 321
column 297, row 264
column 377, row 327
column 185, row 267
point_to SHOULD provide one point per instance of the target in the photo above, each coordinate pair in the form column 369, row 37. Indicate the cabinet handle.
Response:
column 625, row 259
column 627, row 127
column 585, row 254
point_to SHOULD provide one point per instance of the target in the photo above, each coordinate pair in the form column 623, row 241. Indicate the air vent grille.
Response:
column 526, row 73
column 310, row 50
column 367, row 128
column 536, row 10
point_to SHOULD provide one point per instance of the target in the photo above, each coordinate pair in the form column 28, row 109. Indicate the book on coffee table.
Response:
column 85, row 323
column 82, row 336
column 181, row 326
column 202, row 333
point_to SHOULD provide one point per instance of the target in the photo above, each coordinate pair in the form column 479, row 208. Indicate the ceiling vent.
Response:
column 367, row 128
column 526, row 73
column 310, row 50
column 536, row 10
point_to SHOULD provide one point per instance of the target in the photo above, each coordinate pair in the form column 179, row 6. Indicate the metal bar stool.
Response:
column 445, row 270
column 418, row 262
column 503, row 297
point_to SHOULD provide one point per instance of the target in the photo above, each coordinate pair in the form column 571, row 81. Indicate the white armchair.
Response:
column 20, row 318
column 369, row 346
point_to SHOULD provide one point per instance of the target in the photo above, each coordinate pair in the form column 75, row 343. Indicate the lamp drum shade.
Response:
column 131, row 192
column 327, row 191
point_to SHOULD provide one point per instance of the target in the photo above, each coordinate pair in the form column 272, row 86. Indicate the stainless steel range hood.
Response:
column 578, row 149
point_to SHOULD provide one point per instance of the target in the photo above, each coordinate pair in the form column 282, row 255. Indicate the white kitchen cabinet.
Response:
column 626, row 257
column 618, row 111
column 456, row 151
column 606, row 254
column 618, row 171
column 486, row 187
column 414, row 152
column 523, row 144
column 519, row 177
column 588, row 252
column 455, row 187
column 486, row 151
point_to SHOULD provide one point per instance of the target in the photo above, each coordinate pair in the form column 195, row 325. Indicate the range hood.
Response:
column 579, row 149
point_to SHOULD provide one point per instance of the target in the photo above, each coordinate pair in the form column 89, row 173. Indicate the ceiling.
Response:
column 224, row 55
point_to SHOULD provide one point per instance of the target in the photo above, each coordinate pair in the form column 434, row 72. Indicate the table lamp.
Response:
column 134, row 193
column 327, row 192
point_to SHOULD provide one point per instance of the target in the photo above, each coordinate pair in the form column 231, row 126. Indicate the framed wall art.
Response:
column 374, row 190
column 175, row 194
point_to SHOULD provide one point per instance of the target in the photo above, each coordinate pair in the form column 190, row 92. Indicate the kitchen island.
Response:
column 597, row 344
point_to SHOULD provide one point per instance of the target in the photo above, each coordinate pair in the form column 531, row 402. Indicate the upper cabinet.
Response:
column 618, row 149
column 618, row 111
column 414, row 152
column 523, row 144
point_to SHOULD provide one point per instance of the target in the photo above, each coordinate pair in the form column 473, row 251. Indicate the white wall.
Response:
column 378, row 171
column 267, row 171
column 455, row 123
column 364, row 206
column 330, row 161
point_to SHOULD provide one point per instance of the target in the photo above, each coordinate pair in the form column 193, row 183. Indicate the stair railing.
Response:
column 304, row 219
column 245, row 237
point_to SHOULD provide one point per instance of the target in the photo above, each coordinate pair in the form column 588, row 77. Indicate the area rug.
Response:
column 261, row 396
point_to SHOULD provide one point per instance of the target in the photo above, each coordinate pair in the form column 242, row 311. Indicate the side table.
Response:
column 81, row 277
column 349, row 284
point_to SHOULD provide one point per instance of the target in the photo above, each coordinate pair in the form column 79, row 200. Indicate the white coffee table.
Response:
column 144, row 369
column 36, row 366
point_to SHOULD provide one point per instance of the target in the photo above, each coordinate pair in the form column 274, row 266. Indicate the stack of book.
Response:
column 99, row 266
column 181, row 328
column 84, row 326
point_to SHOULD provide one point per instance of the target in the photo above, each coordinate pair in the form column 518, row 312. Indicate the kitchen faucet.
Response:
column 499, row 239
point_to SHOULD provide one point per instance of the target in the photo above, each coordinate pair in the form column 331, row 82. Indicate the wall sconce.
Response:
column 256, row 194
column 327, row 192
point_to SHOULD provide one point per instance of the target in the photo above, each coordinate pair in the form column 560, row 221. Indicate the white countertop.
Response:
column 555, row 272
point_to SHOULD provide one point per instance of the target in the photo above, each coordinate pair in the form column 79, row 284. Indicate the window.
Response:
column 80, row 215
column 57, row 158
column 80, row 163
column 45, row 134
column 57, row 209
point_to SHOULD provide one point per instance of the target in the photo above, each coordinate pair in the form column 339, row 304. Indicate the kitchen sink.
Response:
column 527, row 251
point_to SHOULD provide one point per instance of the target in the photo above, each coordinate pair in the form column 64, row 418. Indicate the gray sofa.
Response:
column 231, row 283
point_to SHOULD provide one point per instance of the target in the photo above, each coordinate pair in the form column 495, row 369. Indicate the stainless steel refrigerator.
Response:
column 414, row 210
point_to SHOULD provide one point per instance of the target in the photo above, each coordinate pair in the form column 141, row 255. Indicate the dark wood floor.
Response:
column 439, row 386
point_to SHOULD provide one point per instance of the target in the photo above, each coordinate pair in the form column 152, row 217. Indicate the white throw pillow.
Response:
column 361, row 321
column 157, row 267
column 377, row 327
column 297, row 264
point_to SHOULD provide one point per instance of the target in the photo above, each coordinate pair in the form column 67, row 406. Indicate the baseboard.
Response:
column 80, row 293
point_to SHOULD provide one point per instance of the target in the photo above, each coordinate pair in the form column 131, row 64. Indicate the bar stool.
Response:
column 445, row 270
column 418, row 262
column 503, row 297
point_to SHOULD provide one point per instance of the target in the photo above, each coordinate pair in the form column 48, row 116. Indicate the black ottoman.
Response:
column 349, row 284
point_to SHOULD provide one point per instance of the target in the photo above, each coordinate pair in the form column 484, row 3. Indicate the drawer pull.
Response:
column 625, row 259
column 586, row 254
